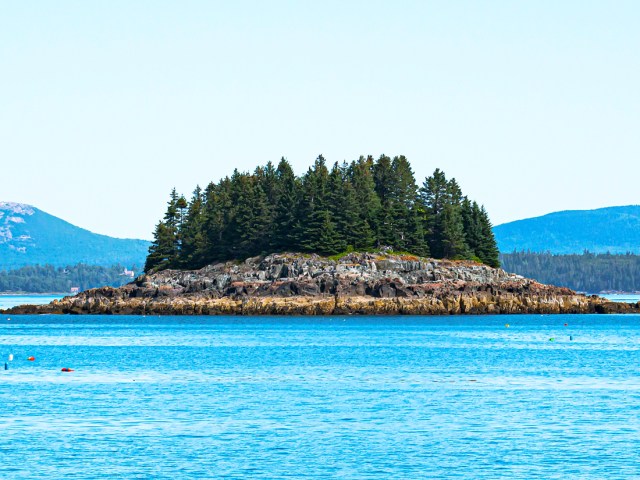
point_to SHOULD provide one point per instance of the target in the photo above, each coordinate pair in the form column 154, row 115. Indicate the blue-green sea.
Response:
column 9, row 301
column 527, row 396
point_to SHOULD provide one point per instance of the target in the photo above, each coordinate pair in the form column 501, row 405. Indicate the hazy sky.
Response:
column 106, row 105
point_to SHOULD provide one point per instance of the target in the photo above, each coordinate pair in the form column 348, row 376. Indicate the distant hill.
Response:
column 29, row 236
column 612, row 229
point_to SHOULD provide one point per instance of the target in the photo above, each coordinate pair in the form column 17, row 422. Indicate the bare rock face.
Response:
column 358, row 283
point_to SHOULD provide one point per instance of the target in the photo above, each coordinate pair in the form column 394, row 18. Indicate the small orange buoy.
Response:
column 67, row 370
column 31, row 359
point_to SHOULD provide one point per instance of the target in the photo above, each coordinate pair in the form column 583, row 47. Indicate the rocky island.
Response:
column 357, row 283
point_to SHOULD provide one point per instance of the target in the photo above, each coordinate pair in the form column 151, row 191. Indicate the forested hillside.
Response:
column 29, row 236
column 611, row 229
column 587, row 272
column 50, row 279
column 360, row 205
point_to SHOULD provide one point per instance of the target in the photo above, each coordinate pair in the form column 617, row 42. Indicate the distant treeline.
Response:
column 585, row 272
column 360, row 205
column 49, row 279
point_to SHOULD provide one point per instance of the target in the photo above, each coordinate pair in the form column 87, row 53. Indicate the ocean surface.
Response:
column 527, row 396
column 622, row 297
column 8, row 301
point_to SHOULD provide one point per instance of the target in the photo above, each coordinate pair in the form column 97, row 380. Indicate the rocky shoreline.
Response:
column 358, row 283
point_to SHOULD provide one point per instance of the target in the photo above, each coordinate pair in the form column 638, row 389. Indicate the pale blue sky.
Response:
column 105, row 106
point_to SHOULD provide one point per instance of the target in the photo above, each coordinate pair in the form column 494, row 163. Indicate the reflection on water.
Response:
column 357, row 397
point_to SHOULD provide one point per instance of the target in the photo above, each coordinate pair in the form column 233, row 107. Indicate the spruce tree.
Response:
column 267, row 180
column 342, row 208
column 286, row 206
column 470, row 223
column 315, row 225
column 433, row 196
column 161, row 252
column 453, row 240
column 417, row 241
column 191, row 232
column 488, row 248
column 408, row 232
column 164, row 250
column 367, row 202
column 248, row 227
column 218, row 212
column 383, row 176
column 363, row 204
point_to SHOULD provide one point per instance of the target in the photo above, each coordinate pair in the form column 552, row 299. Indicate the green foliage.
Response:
column 585, row 272
column 362, row 206
column 457, row 227
column 50, row 279
column 338, row 256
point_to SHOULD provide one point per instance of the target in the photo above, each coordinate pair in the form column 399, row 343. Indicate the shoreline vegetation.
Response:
column 43, row 279
column 587, row 272
column 381, row 283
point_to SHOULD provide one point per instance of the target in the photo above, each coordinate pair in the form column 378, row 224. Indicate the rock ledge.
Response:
column 358, row 283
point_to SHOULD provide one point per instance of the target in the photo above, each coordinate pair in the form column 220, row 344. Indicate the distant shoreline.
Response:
column 357, row 283
column 31, row 294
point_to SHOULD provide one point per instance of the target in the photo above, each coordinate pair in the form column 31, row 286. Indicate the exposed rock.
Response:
column 358, row 283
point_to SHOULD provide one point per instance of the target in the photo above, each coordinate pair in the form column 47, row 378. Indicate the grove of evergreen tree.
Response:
column 587, row 272
column 361, row 206
column 50, row 279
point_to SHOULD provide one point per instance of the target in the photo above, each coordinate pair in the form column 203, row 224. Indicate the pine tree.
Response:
column 433, row 196
column 453, row 240
column 342, row 207
column 286, row 206
column 316, row 229
column 417, row 241
column 408, row 232
column 218, row 211
column 362, row 205
column 267, row 180
column 384, row 182
column 329, row 240
column 160, row 251
column 488, row 248
column 470, row 226
column 249, row 225
column 191, row 232
column 164, row 250
column 366, row 201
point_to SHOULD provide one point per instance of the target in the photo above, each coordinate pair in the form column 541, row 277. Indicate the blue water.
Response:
column 357, row 397
column 8, row 301
column 622, row 297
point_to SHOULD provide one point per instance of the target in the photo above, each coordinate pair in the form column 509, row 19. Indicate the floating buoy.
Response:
column 67, row 370
column 31, row 359
column 566, row 324
column 552, row 339
column 11, row 357
column 570, row 337
column 507, row 325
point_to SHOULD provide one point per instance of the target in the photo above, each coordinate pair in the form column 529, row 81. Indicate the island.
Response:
column 382, row 283
column 355, row 238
